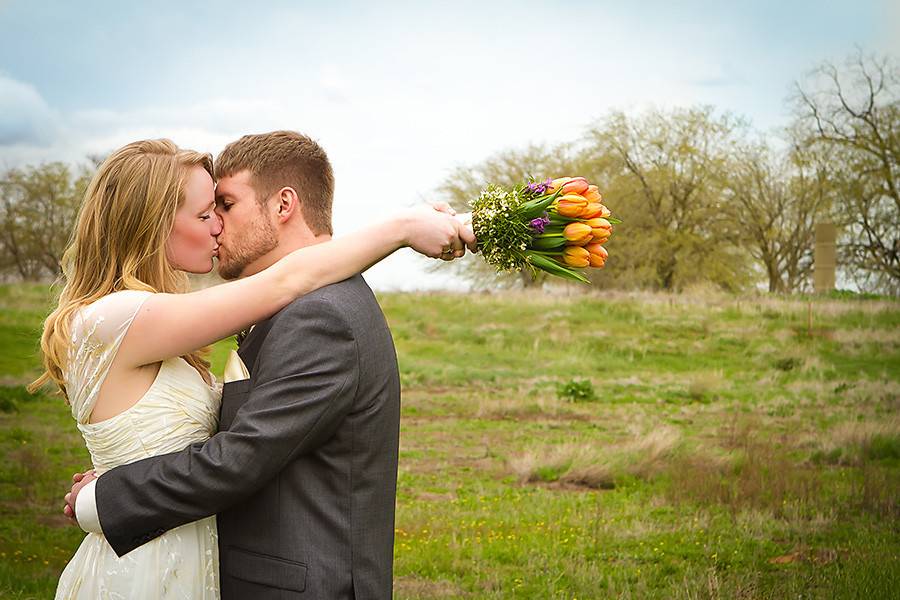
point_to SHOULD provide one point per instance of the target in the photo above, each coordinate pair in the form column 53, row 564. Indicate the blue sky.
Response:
column 399, row 93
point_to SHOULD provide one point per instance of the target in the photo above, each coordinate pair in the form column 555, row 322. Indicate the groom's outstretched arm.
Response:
column 304, row 386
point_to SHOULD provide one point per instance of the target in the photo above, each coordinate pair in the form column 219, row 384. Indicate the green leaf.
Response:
column 535, row 208
column 547, row 243
column 555, row 217
column 554, row 268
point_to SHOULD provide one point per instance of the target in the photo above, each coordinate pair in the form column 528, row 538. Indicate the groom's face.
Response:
column 248, row 232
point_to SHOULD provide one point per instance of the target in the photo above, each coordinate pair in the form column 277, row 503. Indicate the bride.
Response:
column 125, row 343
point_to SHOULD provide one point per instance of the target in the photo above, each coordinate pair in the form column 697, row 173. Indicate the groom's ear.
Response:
column 288, row 204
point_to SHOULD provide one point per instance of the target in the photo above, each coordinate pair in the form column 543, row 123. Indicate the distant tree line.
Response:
column 704, row 198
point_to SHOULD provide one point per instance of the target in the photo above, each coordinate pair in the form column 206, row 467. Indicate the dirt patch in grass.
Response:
column 408, row 586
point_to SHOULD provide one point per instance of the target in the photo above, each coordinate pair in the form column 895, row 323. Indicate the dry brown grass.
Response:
column 812, row 365
column 759, row 477
column 595, row 465
column 821, row 308
column 861, row 433
column 746, row 467
column 701, row 296
column 883, row 392
column 857, row 442
column 877, row 493
column 541, row 406
column 858, row 339
column 754, row 476
column 706, row 385
column 815, row 388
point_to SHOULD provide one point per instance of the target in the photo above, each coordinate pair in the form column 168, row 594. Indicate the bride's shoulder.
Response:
column 106, row 315
column 118, row 300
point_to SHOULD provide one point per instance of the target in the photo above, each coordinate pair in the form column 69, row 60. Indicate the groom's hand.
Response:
column 79, row 480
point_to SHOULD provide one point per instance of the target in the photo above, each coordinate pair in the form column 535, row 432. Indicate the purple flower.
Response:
column 539, row 223
column 539, row 188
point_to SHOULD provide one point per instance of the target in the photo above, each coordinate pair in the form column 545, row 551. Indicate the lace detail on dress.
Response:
column 97, row 332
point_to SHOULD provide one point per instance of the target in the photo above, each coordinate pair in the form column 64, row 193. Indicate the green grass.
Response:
column 733, row 447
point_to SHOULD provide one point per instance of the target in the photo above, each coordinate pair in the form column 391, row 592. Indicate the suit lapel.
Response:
column 249, row 348
column 235, row 393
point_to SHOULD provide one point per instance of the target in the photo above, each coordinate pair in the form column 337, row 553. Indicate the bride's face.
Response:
column 192, row 244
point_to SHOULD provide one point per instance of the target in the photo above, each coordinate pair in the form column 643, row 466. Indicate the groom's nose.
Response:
column 218, row 226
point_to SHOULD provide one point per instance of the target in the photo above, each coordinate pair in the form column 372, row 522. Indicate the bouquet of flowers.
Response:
column 556, row 226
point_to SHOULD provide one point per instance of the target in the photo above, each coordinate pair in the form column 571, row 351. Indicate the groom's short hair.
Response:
column 284, row 159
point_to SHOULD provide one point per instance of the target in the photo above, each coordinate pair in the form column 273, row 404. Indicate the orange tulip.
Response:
column 578, row 233
column 592, row 194
column 601, row 229
column 558, row 183
column 576, row 256
column 570, row 205
column 578, row 185
column 598, row 250
column 597, row 255
column 593, row 209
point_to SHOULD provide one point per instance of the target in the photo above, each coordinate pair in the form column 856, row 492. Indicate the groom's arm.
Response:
column 304, row 386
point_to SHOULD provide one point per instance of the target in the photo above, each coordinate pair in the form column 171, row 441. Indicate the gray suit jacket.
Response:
column 303, row 472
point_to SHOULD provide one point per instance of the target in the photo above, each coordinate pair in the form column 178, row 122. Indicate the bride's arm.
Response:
column 170, row 325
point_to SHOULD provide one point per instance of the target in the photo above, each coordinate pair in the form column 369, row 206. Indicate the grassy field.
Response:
column 620, row 446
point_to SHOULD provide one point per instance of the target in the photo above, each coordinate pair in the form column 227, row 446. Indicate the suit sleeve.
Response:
column 304, row 385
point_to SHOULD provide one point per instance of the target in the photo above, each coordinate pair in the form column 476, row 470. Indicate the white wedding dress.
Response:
column 178, row 410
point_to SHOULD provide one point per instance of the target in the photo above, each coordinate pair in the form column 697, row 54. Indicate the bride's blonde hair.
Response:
column 119, row 241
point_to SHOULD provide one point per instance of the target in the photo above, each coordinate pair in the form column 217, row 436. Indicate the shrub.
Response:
column 577, row 390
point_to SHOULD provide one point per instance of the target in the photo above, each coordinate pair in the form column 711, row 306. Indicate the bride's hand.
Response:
column 466, row 232
column 434, row 232
column 79, row 480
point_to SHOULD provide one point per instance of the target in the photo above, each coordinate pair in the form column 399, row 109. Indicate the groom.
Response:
column 303, row 471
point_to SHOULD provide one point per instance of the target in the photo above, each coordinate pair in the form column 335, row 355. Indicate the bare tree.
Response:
column 855, row 111
column 777, row 198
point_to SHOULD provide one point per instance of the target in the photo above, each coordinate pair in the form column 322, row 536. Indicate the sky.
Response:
column 400, row 93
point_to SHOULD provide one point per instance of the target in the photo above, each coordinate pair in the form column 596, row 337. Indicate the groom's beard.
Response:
column 258, row 238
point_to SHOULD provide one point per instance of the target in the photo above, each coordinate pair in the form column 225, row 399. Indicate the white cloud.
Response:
column 25, row 118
